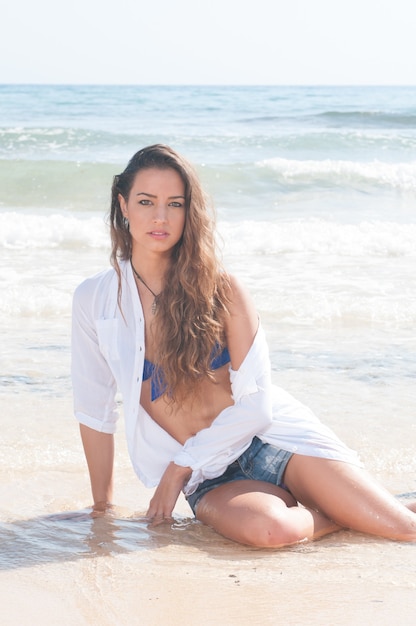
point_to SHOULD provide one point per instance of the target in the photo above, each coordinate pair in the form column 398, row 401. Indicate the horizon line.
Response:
column 290, row 85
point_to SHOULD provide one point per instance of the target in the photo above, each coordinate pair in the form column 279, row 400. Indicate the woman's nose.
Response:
column 159, row 214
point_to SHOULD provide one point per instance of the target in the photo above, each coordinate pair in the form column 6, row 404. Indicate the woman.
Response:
column 181, row 340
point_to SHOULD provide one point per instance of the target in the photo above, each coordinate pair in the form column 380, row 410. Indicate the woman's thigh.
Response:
column 348, row 495
column 255, row 513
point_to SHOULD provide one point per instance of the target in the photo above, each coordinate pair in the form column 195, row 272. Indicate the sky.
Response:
column 221, row 42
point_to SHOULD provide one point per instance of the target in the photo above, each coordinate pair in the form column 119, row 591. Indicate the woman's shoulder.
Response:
column 240, row 298
column 242, row 322
column 91, row 283
column 97, row 293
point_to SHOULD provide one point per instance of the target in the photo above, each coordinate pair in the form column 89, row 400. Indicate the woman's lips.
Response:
column 158, row 234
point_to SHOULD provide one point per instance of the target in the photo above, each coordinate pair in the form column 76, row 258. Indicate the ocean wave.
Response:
column 38, row 141
column 372, row 118
column 363, row 120
column 202, row 145
column 310, row 272
column 399, row 176
column 340, row 142
column 320, row 238
column 23, row 231
column 69, row 143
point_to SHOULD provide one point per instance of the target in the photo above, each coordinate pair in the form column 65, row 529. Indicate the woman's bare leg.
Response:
column 411, row 506
column 350, row 496
column 260, row 514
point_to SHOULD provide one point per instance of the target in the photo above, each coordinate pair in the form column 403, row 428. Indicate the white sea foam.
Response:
column 21, row 230
column 303, row 271
column 26, row 231
column 319, row 237
column 401, row 176
column 43, row 258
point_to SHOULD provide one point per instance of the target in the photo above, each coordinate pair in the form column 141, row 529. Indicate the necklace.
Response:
column 155, row 296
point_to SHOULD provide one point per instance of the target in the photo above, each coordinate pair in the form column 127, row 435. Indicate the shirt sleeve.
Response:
column 211, row 450
column 93, row 384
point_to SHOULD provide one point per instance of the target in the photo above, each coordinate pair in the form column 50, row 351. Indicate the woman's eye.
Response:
column 176, row 204
column 144, row 202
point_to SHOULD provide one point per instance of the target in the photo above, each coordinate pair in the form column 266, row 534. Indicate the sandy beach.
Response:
column 215, row 584
column 58, row 566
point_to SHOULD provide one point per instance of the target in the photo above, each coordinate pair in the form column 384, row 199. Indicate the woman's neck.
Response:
column 150, row 270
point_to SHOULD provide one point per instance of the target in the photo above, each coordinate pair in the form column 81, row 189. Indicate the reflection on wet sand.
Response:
column 76, row 534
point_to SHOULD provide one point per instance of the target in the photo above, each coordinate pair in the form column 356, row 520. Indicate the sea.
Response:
column 314, row 189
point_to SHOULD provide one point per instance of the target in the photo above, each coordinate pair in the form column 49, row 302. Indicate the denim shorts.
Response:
column 261, row 461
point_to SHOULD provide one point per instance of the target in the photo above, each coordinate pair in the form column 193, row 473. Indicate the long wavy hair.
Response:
column 191, row 309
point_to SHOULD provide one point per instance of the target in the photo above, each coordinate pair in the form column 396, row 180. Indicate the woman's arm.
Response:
column 93, row 384
column 94, row 390
column 99, row 452
column 242, row 323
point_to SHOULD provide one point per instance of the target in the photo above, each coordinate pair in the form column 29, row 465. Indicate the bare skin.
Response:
column 324, row 495
column 334, row 495
column 99, row 452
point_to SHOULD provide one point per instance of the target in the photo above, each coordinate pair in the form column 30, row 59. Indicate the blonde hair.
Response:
column 191, row 310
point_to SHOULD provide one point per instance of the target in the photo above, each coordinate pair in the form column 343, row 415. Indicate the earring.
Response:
column 126, row 223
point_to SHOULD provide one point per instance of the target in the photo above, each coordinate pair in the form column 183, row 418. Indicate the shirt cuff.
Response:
column 96, row 424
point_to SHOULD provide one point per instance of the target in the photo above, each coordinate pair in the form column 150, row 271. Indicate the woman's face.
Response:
column 155, row 209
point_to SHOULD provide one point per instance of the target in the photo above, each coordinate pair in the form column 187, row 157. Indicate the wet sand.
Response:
column 58, row 566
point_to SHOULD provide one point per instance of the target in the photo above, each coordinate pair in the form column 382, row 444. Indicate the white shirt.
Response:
column 108, row 356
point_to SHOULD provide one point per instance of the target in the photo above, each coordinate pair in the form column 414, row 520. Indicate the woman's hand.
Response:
column 167, row 492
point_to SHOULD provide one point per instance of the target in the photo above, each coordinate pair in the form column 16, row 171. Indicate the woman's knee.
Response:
column 275, row 531
column 255, row 514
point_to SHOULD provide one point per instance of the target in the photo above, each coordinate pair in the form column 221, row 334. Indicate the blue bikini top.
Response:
column 159, row 386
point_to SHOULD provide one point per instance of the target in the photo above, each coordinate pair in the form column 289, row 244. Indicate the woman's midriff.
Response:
column 198, row 411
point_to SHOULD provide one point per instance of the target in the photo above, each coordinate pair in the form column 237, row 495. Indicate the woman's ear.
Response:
column 123, row 205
